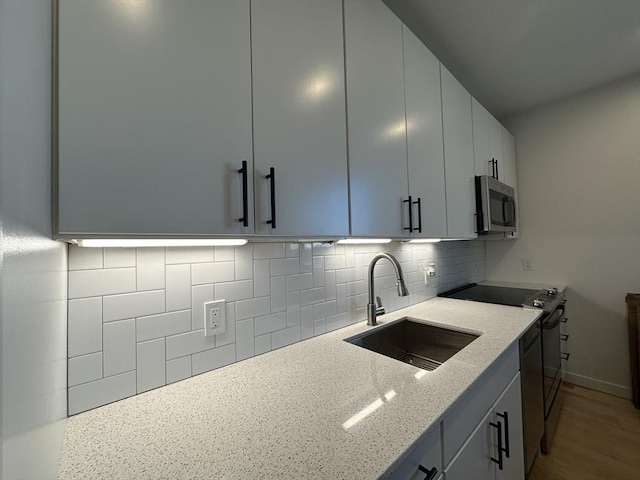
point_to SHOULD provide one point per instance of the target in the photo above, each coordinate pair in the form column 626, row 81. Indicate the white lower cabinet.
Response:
column 423, row 462
column 495, row 449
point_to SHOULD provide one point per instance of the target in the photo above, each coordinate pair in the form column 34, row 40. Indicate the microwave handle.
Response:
column 513, row 211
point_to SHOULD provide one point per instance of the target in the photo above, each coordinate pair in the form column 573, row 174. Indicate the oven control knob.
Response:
column 538, row 303
column 552, row 292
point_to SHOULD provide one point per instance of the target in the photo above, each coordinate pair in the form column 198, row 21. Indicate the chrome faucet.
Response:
column 402, row 288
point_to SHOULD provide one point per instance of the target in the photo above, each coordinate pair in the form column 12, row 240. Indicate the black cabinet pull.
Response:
column 272, row 177
column 431, row 474
column 245, row 200
column 499, row 461
column 505, row 416
column 497, row 172
column 410, row 202
column 419, row 203
column 493, row 168
column 564, row 337
column 565, row 356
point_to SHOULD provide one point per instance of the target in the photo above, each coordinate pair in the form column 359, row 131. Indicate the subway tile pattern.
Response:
column 136, row 315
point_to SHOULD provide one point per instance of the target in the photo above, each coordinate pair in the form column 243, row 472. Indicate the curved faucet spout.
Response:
column 402, row 288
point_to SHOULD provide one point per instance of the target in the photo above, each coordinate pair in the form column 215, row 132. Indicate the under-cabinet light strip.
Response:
column 156, row 242
column 362, row 241
column 425, row 240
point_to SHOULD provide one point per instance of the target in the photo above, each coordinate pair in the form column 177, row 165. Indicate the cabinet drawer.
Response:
column 460, row 421
column 426, row 452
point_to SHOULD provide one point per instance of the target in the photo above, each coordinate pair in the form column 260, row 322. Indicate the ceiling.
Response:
column 513, row 55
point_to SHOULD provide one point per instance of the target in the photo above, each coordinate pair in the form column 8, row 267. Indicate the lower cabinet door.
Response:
column 508, row 411
column 426, row 453
column 473, row 461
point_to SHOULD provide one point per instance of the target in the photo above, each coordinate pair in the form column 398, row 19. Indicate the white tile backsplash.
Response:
column 95, row 394
column 151, row 365
column 212, row 272
column 119, row 347
column 188, row 344
column 85, row 258
column 84, row 320
column 93, row 283
column 178, row 287
column 131, row 305
column 178, row 369
column 211, row 359
column 140, row 311
column 163, row 325
column 150, row 269
column 119, row 257
column 85, row 368
column 233, row 291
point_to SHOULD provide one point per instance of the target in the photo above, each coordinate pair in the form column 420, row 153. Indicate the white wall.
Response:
column 579, row 192
column 33, row 288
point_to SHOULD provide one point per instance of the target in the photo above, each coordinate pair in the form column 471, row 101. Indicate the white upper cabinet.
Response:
column 510, row 175
column 458, row 156
column 424, row 138
column 376, row 120
column 487, row 142
column 299, row 117
column 154, row 117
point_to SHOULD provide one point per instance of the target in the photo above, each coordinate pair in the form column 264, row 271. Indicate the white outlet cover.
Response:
column 214, row 318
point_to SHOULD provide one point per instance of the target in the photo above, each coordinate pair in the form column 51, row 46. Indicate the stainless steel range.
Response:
column 540, row 357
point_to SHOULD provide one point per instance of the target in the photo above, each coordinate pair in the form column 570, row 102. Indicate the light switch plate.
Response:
column 214, row 318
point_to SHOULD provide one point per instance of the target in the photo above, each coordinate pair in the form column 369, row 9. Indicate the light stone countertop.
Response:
column 281, row 414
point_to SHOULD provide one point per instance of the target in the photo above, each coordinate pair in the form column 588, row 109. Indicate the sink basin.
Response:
column 415, row 343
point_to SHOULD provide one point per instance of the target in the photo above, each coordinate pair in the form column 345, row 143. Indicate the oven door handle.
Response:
column 554, row 319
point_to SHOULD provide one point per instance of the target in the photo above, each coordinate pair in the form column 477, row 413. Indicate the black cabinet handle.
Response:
column 410, row 202
column 564, row 337
column 505, row 416
column 431, row 474
column 272, row 177
column 419, row 203
column 565, row 356
column 493, row 168
column 497, row 173
column 499, row 461
column 245, row 200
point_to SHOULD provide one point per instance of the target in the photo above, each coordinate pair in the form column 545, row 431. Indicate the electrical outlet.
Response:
column 431, row 270
column 214, row 318
column 527, row 265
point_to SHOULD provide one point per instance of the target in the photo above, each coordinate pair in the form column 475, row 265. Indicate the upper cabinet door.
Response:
column 299, row 117
column 458, row 156
column 487, row 142
column 154, row 116
column 377, row 124
column 510, row 175
column 495, row 135
column 481, row 139
column 424, row 137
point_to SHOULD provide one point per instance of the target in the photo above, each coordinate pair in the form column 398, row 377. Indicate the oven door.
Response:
column 551, row 358
column 495, row 205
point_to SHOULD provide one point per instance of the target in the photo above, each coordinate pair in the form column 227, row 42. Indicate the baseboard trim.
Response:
column 600, row 385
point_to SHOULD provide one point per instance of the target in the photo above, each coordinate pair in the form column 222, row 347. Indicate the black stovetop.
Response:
column 489, row 294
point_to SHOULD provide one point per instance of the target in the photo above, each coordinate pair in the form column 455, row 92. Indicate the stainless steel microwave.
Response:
column 495, row 206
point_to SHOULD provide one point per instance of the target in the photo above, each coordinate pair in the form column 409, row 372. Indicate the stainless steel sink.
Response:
column 425, row 346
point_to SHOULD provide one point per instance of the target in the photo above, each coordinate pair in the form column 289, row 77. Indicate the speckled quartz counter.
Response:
column 281, row 415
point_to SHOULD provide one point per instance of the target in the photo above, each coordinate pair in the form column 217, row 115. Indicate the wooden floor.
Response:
column 598, row 438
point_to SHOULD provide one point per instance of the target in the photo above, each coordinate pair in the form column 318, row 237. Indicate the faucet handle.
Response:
column 380, row 308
